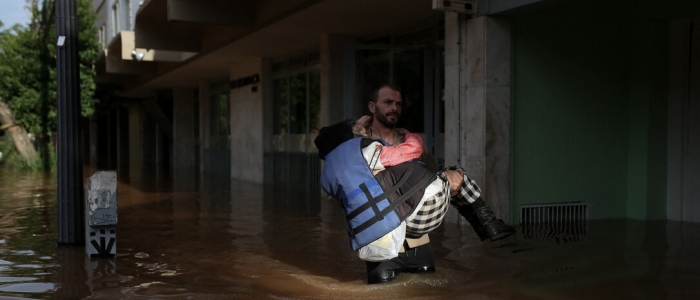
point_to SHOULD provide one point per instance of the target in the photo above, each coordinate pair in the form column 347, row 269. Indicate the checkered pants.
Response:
column 433, row 209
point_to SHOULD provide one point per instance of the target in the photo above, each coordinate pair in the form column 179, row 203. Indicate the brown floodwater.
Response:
column 225, row 239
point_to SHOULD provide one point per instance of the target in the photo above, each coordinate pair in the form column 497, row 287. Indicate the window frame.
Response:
column 288, row 74
column 215, row 113
column 115, row 19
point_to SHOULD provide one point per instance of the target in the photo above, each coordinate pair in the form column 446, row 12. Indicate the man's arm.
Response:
column 455, row 179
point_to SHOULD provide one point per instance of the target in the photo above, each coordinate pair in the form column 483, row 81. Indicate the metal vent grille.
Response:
column 560, row 223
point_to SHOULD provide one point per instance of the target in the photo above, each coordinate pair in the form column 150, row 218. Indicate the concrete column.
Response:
column 455, row 68
column 101, row 141
column 477, row 103
column 111, row 142
column 149, row 146
column 122, row 140
column 135, row 141
column 332, row 78
column 246, row 111
column 485, row 136
column 268, row 116
column 92, row 141
column 455, row 77
column 204, row 121
column 184, row 156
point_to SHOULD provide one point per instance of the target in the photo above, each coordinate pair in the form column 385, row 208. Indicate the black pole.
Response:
column 70, row 160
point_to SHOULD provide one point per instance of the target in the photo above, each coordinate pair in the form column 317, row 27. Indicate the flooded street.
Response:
column 233, row 240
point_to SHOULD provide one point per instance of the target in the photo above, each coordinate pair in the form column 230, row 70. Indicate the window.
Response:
column 115, row 19
column 128, row 16
column 296, row 108
column 297, row 103
column 103, row 36
column 219, row 114
column 293, row 162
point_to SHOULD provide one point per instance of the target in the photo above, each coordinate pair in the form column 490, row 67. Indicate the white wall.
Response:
column 103, row 9
column 247, row 124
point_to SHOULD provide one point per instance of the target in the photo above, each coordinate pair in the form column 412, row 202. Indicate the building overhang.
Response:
column 155, row 31
column 222, row 12
column 511, row 7
column 116, row 61
column 281, row 27
column 126, row 48
column 121, row 62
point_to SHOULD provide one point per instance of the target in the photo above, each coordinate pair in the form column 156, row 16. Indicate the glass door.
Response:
column 296, row 121
column 417, row 70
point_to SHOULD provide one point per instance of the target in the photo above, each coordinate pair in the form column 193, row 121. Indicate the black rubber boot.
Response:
column 385, row 271
column 484, row 221
column 417, row 260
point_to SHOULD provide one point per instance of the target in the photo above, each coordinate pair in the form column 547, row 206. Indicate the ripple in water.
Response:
column 16, row 279
column 28, row 287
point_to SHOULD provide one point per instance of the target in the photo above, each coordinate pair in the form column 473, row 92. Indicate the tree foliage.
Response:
column 28, row 66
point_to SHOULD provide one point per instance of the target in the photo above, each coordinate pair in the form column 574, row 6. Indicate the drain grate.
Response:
column 554, row 213
column 560, row 223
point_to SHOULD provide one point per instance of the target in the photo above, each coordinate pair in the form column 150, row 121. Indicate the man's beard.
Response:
column 382, row 118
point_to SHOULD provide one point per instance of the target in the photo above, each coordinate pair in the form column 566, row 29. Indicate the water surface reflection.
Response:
column 229, row 239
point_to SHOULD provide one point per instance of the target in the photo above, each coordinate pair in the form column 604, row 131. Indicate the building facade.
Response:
column 542, row 101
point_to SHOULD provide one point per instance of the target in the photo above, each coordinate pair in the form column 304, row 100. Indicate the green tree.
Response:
column 28, row 68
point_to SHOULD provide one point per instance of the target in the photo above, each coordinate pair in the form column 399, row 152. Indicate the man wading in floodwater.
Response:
column 392, row 200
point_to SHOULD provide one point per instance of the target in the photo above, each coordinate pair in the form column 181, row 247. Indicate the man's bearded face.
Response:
column 388, row 119
column 387, row 109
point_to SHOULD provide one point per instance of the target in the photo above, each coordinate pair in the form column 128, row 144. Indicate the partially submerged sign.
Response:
column 101, row 214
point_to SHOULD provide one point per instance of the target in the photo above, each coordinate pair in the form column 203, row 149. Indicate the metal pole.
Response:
column 70, row 161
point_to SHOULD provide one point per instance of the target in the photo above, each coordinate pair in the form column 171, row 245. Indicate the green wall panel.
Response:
column 570, row 112
column 589, row 111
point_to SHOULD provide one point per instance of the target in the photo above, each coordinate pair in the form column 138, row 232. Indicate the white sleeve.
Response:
column 371, row 155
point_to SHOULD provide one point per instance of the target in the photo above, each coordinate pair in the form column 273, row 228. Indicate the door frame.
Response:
column 683, row 123
column 431, row 91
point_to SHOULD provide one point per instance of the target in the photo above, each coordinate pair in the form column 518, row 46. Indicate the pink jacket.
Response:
column 410, row 149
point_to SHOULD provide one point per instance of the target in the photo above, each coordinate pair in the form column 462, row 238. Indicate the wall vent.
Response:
column 560, row 222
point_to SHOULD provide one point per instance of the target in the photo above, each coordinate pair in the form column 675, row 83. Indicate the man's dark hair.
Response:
column 375, row 94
